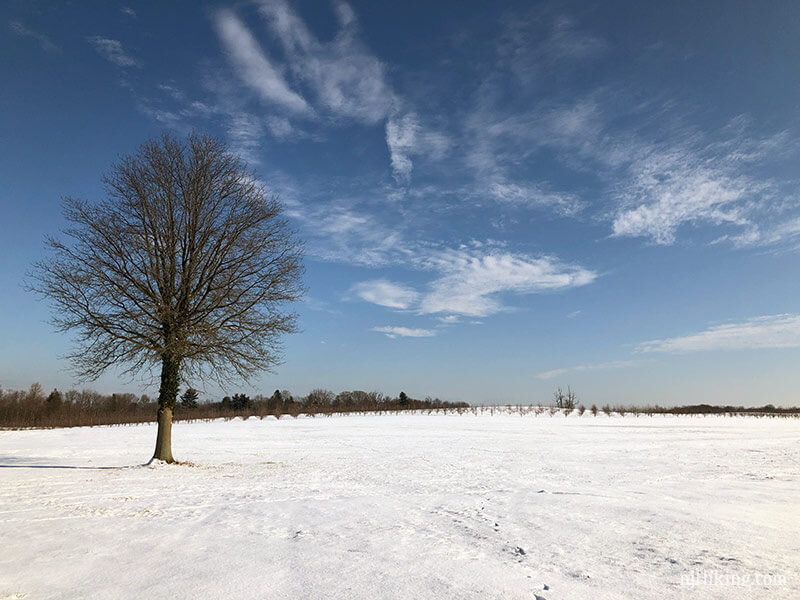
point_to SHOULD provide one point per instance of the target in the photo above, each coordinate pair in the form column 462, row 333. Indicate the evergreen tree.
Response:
column 54, row 399
column 189, row 398
column 240, row 402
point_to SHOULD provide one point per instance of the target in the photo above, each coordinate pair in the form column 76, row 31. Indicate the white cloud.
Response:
column 386, row 293
column 113, row 51
column 712, row 178
column 128, row 11
column 244, row 128
column 616, row 364
column 669, row 189
column 347, row 79
column 498, row 140
column 172, row 91
column 688, row 178
column 168, row 118
column 43, row 41
column 253, row 66
column 405, row 138
column 538, row 41
column 471, row 282
column 319, row 305
column 449, row 319
column 331, row 81
column 551, row 374
column 401, row 134
column 660, row 174
column 775, row 331
column 467, row 281
column 786, row 231
column 393, row 332
column 280, row 127
column 344, row 231
column 535, row 196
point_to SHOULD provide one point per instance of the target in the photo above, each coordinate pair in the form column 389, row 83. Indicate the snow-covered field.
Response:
column 406, row 506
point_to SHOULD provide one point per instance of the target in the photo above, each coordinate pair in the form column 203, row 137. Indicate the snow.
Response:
column 406, row 506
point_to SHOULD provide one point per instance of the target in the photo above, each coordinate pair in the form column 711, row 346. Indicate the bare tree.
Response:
column 563, row 400
column 185, row 265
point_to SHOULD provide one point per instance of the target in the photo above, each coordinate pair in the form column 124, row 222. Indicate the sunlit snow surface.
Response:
column 406, row 506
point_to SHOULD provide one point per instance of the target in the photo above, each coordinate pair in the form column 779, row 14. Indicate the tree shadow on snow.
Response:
column 20, row 462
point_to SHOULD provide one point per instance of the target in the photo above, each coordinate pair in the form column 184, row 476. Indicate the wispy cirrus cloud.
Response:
column 686, row 183
column 659, row 175
column 472, row 283
column 346, row 78
column 252, row 65
column 113, row 51
column 406, row 138
column 773, row 331
column 541, row 39
column 44, row 41
column 341, row 232
column 401, row 137
column 393, row 332
column 534, row 195
column 329, row 83
column 688, row 178
column 385, row 293
column 615, row 364
column 449, row 319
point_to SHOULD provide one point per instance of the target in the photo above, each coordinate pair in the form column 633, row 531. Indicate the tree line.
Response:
column 76, row 408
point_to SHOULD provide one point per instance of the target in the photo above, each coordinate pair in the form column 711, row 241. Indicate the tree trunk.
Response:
column 164, row 436
column 167, row 397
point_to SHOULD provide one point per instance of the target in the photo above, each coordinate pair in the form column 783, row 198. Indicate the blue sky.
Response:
column 496, row 198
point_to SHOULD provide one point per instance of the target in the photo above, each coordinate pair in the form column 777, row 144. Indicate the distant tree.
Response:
column 594, row 410
column 319, row 398
column 189, row 398
column 54, row 399
column 563, row 400
column 240, row 402
column 35, row 394
column 275, row 402
column 360, row 399
column 570, row 399
column 403, row 399
column 184, row 267
column 343, row 400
